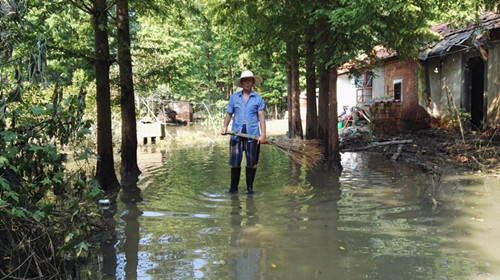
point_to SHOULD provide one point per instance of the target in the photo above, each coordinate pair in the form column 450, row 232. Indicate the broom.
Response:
column 308, row 152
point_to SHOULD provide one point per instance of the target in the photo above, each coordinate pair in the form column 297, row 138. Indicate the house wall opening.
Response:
column 474, row 91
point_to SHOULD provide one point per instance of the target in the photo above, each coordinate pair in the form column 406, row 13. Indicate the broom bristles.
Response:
column 306, row 152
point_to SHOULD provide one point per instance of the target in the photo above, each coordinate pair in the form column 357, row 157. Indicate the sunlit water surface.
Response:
column 376, row 221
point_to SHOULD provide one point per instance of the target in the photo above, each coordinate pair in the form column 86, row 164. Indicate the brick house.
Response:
column 395, row 80
column 463, row 68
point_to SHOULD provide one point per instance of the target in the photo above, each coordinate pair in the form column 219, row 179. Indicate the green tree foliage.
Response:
column 67, row 36
column 33, row 173
column 178, row 55
column 269, row 32
column 356, row 26
column 45, row 209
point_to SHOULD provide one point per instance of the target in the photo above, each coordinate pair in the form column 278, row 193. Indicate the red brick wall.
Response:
column 407, row 71
column 413, row 116
column 386, row 118
column 184, row 111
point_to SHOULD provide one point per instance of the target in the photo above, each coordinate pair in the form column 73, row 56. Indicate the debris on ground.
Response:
column 433, row 149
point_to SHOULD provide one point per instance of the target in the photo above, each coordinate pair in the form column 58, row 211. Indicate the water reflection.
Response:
column 247, row 257
column 374, row 221
column 131, row 230
column 126, row 264
column 110, row 238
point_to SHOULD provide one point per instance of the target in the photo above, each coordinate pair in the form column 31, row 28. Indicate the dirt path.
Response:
column 276, row 127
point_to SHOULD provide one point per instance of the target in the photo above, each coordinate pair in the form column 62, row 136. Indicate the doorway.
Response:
column 474, row 91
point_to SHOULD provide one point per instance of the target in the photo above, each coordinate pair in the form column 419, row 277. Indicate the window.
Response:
column 397, row 87
column 364, row 87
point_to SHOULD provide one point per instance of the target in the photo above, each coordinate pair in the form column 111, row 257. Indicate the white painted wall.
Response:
column 378, row 83
column 346, row 92
column 493, row 86
column 442, row 74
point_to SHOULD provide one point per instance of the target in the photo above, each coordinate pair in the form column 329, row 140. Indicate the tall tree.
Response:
column 322, row 58
column 293, row 35
column 129, row 167
column 105, row 175
column 333, row 131
column 312, row 112
column 323, row 99
column 292, row 64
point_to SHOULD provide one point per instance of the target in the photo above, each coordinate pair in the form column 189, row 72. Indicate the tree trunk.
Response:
column 105, row 165
column 289, row 97
column 333, row 135
column 323, row 100
column 323, row 52
column 296, row 122
column 312, row 112
column 129, row 168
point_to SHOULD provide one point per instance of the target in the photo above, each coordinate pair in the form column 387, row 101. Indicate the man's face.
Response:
column 247, row 83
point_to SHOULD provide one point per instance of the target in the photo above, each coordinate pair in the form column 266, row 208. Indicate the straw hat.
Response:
column 248, row 74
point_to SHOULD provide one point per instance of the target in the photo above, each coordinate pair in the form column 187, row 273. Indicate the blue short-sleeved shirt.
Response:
column 245, row 113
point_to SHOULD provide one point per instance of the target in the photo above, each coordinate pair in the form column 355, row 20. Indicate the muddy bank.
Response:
column 433, row 149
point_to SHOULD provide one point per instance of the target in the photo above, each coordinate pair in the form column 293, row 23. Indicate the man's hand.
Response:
column 223, row 131
column 262, row 139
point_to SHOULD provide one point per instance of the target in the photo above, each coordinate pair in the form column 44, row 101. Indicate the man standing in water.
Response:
column 248, row 109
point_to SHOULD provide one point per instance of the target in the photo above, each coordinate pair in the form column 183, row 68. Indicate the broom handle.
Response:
column 250, row 136
column 244, row 135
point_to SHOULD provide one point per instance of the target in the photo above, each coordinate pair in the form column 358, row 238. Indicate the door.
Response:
column 475, row 91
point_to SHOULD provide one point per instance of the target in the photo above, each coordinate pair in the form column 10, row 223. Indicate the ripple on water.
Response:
column 298, row 220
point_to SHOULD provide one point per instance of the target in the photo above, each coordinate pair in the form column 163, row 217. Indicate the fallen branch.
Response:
column 396, row 155
column 378, row 145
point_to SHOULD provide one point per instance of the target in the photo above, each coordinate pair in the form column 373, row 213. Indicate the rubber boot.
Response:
column 250, row 173
column 235, row 179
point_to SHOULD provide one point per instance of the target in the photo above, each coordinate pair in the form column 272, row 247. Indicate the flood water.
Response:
column 376, row 220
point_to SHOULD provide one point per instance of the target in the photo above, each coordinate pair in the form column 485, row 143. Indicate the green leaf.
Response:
column 83, row 156
column 84, row 131
column 82, row 246
column 4, row 184
column 3, row 161
column 45, row 182
column 18, row 212
column 37, row 111
column 38, row 215
column 95, row 191
column 9, row 136
column 35, row 148
column 13, row 195
column 69, row 237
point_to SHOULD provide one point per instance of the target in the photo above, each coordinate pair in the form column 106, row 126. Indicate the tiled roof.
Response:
column 455, row 36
